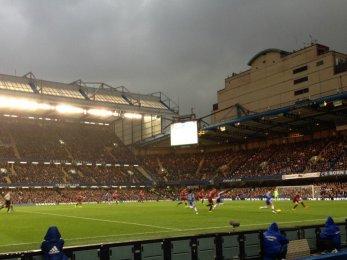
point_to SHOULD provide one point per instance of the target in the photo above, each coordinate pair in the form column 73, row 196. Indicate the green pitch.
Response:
column 25, row 228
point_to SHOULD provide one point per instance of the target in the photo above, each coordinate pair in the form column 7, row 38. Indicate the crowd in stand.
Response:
column 317, row 155
column 32, row 196
column 50, row 141
column 68, row 195
column 46, row 140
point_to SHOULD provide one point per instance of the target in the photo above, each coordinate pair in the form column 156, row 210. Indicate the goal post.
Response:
column 305, row 191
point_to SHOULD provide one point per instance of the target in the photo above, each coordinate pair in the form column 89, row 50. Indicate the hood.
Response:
column 273, row 227
column 53, row 234
column 329, row 221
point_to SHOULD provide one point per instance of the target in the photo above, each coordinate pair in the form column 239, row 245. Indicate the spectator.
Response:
column 52, row 246
column 274, row 243
column 330, row 237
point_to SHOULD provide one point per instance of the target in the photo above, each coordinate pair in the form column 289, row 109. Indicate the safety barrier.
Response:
column 240, row 245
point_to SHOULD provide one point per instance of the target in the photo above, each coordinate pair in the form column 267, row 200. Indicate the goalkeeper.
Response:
column 276, row 194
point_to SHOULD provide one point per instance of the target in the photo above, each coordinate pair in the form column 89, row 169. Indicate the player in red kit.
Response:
column 211, row 195
column 183, row 197
column 202, row 195
column 115, row 196
column 79, row 198
column 141, row 196
column 298, row 200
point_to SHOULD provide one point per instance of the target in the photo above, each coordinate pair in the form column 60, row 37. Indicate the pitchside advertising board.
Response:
column 184, row 133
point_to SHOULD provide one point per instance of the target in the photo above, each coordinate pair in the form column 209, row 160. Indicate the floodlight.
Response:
column 69, row 109
column 132, row 116
column 25, row 104
column 99, row 112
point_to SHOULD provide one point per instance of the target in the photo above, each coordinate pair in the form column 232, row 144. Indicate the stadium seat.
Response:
column 206, row 248
column 92, row 254
column 298, row 248
column 181, row 250
column 252, row 245
column 231, row 247
column 152, row 251
column 122, row 253
column 311, row 237
column 292, row 234
column 343, row 234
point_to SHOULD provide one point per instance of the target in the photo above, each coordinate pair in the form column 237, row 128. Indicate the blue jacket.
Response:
column 52, row 246
column 331, row 232
column 273, row 241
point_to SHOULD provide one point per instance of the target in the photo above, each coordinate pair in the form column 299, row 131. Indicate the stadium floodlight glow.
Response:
column 22, row 104
column 67, row 109
column 100, row 112
column 132, row 115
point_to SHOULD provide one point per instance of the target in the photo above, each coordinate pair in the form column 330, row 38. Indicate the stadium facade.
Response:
column 279, row 78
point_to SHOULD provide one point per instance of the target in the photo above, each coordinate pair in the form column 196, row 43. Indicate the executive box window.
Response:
column 301, row 69
column 319, row 63
column 300, row 80
column 301, row 91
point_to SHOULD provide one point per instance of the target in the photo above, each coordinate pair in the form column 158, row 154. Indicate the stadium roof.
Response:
column 281, row 52
column 93, row 95
column 303, row 118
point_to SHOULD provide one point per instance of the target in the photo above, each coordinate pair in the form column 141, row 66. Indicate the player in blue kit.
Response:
column 269, row 202
column 191, row 201
column 219, row 200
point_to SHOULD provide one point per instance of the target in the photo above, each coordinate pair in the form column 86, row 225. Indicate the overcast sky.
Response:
column 183, row 48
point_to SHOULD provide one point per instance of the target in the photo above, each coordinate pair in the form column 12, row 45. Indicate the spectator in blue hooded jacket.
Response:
column 330, row 237
column 274, row 243
column 52, row 246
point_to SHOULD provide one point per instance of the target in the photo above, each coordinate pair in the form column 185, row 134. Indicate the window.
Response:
column 301, row 91
column 300, row 80
column 319, row 63
column 301, row 69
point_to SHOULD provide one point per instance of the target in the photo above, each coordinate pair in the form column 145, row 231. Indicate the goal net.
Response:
column 305, row 191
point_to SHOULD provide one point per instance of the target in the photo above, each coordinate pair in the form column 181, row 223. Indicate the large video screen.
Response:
column 184, row 133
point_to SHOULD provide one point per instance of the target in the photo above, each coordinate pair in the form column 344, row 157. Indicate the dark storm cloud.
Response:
column 184, row 48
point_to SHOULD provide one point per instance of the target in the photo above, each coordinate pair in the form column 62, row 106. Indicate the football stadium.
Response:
column 126, row 176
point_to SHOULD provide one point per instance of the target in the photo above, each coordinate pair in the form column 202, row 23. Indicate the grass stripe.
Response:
column 102, row 220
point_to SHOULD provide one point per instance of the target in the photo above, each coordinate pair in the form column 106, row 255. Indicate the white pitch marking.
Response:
column 189, row 229
column 103, row 220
